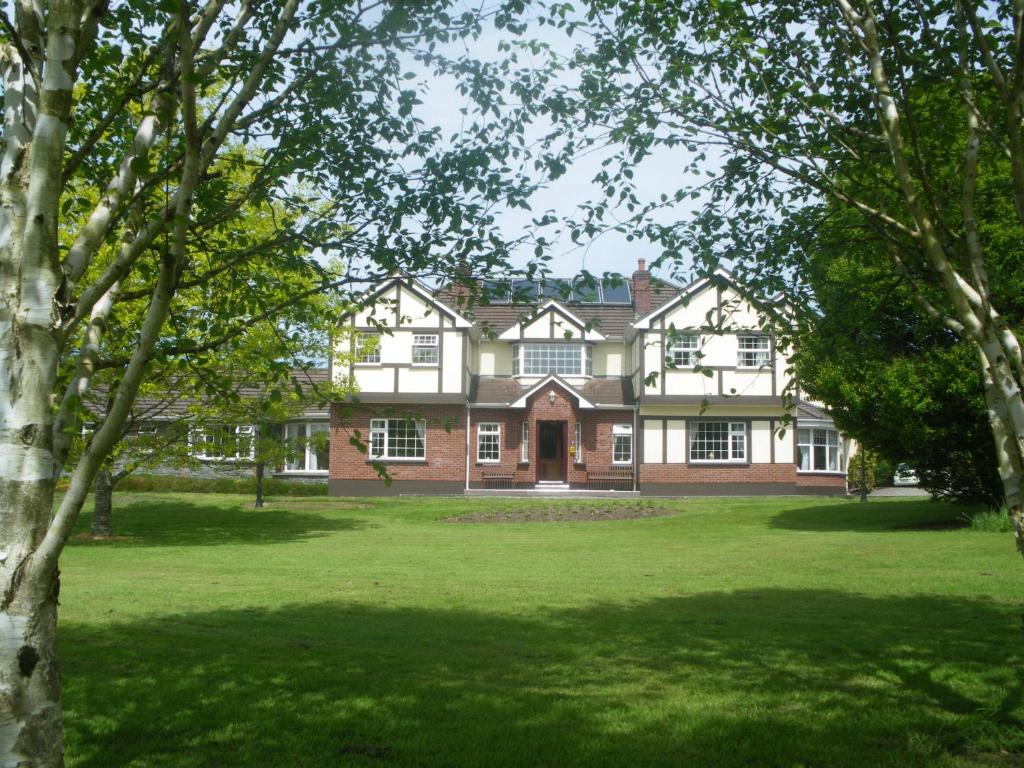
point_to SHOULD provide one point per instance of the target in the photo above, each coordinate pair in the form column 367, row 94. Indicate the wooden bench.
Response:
column 615, row 478
column 499, row 478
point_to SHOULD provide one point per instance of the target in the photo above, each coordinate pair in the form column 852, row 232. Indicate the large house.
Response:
column 633, row 385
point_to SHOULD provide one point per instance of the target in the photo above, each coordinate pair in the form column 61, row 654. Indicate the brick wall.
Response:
column 597, row 436
column 821, row 481
column 692, row 473
column 446, row 448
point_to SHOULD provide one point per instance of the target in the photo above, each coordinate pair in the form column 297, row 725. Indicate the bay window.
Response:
column 718, row 441
column 544, row 358
column 819, row 449
column 398, row 439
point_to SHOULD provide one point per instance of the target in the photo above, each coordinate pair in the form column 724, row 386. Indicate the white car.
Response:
column 904, row 475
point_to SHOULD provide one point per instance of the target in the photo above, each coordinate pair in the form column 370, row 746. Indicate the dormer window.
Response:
column 542, row 359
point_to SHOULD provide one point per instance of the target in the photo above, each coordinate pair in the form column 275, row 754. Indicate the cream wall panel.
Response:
column 566, row 330
column 737, row 312
column 495, row 358
column 679, row 382
column 760, row 442
column 451, row 362
column 653, row 442
column 371, row 379
column 396, row 347
column 417, row 312
column 719, row 350
column 695, row 313
column 784, row 447
column 539, row 328
column 417, row 379
column 607, row 359
column 676, row 442
column 745, row 382
column 652, row 361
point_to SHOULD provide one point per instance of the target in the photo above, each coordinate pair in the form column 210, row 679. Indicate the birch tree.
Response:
column 116, row 116
column 768, row 107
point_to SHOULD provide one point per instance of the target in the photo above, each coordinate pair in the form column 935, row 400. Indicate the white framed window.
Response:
column 524, row 455
column 754, row 351
column 686, row 351
column 367, row 351
column 223, row 442
column 424, row 349
column 819, row 449
column 542, row 359
column 578, row 443
column 488, row 442
column 307, row 447
column 622, row 444
column 718, row 441
column 398, row 439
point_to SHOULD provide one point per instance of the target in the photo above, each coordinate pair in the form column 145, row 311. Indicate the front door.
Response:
column 551, row 451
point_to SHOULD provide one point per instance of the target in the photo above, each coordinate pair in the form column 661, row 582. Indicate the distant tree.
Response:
column 902, row 384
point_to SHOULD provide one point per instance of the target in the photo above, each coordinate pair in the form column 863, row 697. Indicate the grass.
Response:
column 734, row 632
column 990, row 521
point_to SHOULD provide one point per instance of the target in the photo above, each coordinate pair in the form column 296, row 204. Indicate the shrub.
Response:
column 853, row 469
column 247, row 485
column 991, row 521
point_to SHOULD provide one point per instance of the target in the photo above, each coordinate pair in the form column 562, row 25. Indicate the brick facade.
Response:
column 596, row 433
column 443, row 468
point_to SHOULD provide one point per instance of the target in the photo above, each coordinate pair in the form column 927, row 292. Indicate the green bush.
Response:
column 884, row 470
column 171, row 484
column 853, row 469
column 992, row 521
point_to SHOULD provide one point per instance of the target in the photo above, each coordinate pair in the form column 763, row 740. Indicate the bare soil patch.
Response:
column 560, row 513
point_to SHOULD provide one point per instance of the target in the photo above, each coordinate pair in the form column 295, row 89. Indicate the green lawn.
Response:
column 734, row 632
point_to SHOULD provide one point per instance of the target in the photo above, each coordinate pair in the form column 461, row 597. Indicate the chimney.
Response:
column 641, row 288
column 460, row 286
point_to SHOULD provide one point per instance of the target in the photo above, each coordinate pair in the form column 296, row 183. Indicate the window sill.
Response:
column 366, row 365
column 719, row 462
column 425, row 365
column 302, row 473
column 488, row 463
column 828, row 472
column 382, row 460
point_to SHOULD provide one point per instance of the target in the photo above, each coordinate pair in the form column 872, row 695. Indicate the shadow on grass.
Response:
column 155, row 521
column 876, row 515
column 768, row 678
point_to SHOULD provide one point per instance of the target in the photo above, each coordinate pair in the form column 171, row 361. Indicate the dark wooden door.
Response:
column 551, row 451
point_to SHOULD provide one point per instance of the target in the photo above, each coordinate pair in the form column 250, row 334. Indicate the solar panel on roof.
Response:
column 557, row 288
column 615, row 291
column 586, row 290
column 524, row 291
column 496, row 291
